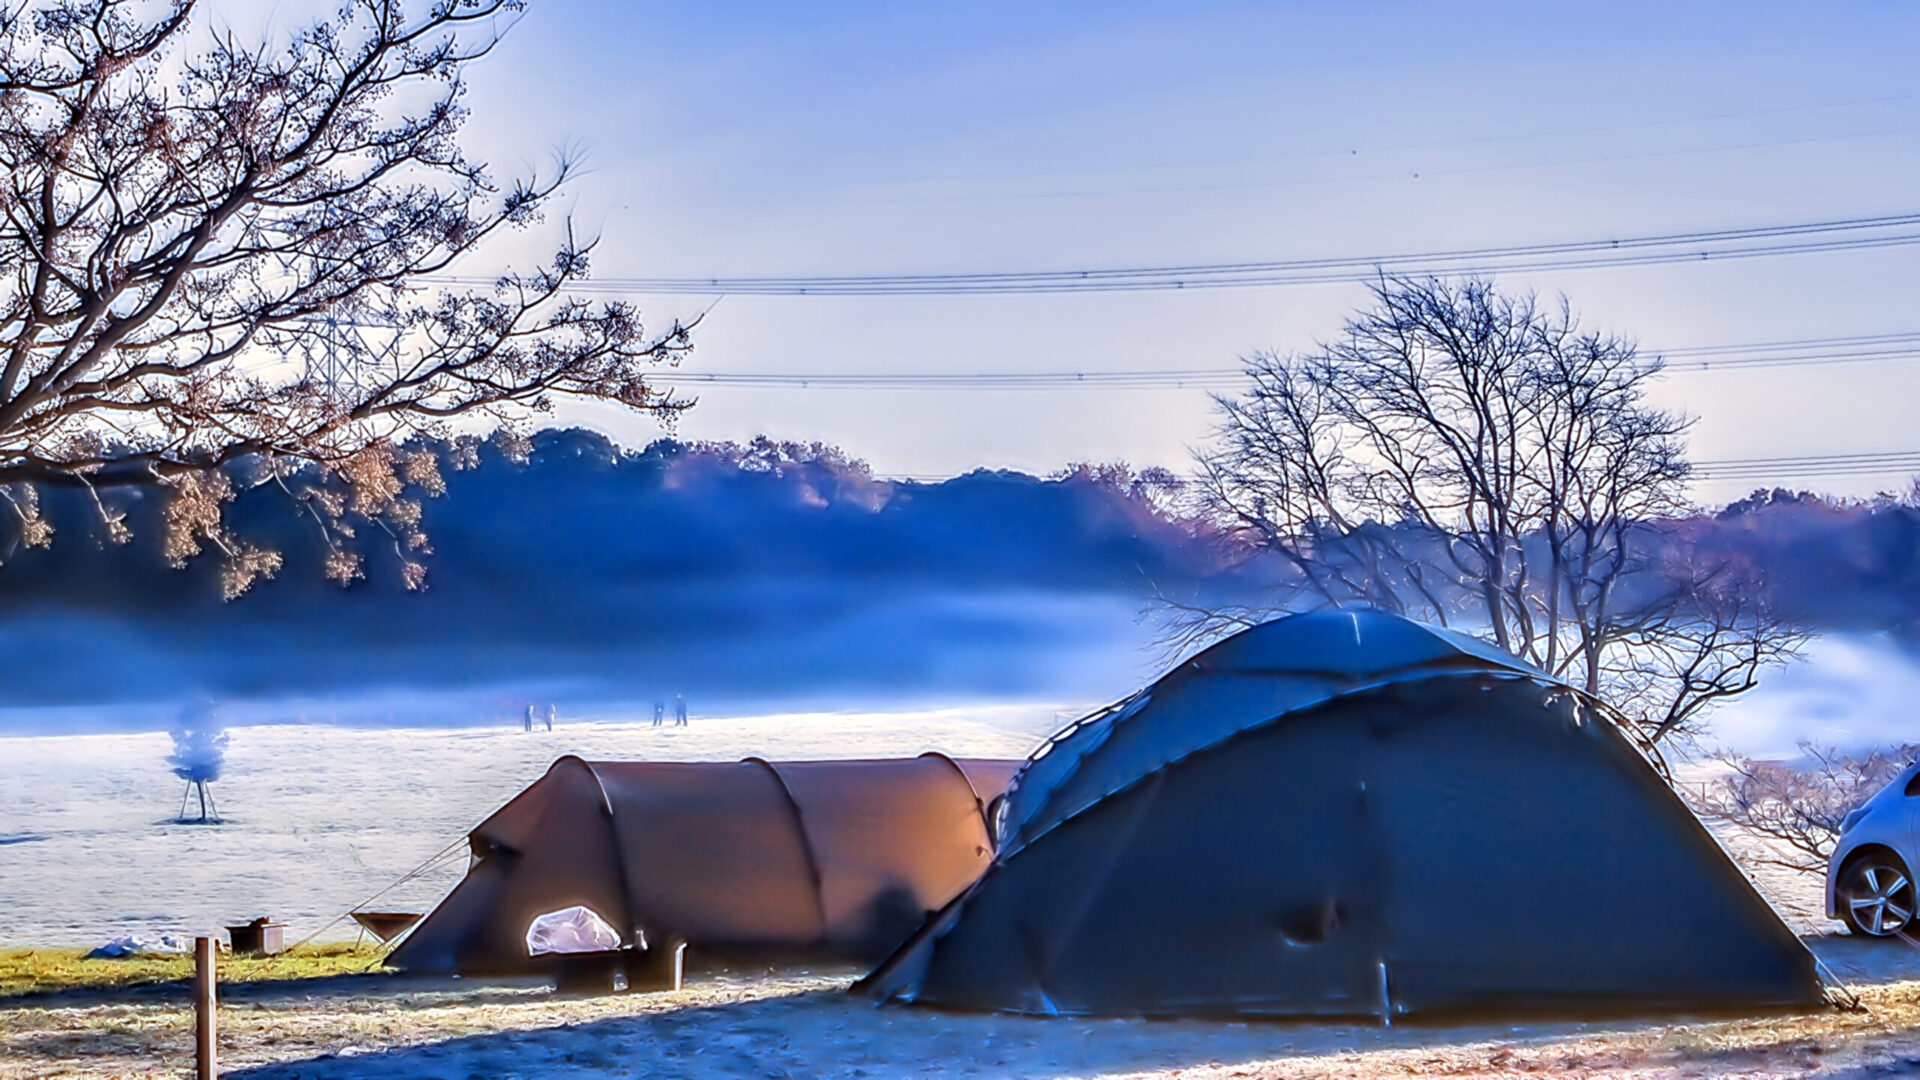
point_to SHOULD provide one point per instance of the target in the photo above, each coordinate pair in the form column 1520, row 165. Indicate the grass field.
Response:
column 30, row 971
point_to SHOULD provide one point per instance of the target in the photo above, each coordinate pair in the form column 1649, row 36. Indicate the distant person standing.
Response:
column 679, row 710
column 527, row 723
column 659, row 711
column 551, row 709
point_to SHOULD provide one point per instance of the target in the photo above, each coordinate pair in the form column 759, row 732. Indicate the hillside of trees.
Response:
column 758, row 571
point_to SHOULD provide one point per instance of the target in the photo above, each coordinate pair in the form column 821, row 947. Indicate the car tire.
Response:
column 1877, row 897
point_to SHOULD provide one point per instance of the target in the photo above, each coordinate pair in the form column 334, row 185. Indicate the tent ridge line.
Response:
column 806, row 839
column 1046, row 745
column 1052, row 743
column 1444, row 664
column 1459, row 664
column 1540, row 678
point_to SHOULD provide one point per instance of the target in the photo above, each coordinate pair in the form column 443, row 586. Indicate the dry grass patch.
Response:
column 29, row 971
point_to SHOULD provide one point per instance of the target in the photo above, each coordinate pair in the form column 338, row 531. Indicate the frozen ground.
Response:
column 321, row 817
column 798, row 1024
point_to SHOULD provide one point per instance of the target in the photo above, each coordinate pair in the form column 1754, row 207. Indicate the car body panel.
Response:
column 1891, row 820
column 1913, row 811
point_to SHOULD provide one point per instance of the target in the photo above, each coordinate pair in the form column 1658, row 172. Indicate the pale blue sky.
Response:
column 761, row 138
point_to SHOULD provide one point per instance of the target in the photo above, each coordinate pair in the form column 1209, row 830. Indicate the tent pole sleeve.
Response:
column 619, row 849
column 979, row 804
column 806, row 841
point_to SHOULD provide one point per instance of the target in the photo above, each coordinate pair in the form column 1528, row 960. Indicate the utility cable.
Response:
column 1841, row 234
column 1805, row 352
column 1864, row 463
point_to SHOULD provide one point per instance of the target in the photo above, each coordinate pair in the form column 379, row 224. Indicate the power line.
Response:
column 1798, row 352
column 1903, row 336
column 1845, row 234
column 1807, row 352
column 1801, row 466
column 1804, row 352
column 1110, row 380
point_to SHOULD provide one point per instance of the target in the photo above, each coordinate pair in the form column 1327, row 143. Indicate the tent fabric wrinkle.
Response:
column 1331, row 815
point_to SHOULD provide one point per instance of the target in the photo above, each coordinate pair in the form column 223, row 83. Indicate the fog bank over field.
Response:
column 1850, row 691
column 773, row 578
column 932, row 649
column 742, row 577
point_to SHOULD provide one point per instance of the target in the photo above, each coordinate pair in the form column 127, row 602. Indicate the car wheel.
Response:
column 1877, row 897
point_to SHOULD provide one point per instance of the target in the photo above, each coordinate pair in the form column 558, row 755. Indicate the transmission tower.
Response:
column 340, row 353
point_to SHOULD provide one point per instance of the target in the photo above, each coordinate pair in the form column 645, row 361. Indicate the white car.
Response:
column 1870, row 878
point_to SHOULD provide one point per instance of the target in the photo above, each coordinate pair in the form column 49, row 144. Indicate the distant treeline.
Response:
column 758, row 569
column 764, row 569
column 1837, row 564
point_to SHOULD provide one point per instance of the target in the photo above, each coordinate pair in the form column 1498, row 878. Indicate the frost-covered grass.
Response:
column 321, row 818
column 28, row 971
column 726, row 1025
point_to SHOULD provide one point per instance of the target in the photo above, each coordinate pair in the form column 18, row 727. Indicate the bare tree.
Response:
column 184, row 228
column 1477, row 459
column 1153, row 487
column 1799, row 810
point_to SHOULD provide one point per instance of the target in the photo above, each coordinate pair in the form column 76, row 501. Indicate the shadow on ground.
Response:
column 828, row 1033
column 1866, row 961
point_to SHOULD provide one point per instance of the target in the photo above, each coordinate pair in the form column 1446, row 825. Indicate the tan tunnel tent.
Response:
column 1350, row 814
column 840, row 858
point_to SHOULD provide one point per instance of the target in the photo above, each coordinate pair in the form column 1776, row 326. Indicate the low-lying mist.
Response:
column 588, row 576
column 775, row 577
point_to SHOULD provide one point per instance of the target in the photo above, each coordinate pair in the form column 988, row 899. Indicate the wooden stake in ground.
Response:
column 205, row 1068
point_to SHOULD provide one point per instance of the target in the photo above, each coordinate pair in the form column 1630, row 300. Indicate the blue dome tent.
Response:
column 1349, row 813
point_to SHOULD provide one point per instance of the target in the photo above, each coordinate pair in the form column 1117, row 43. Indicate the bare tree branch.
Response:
column 1472, row 458
column 177, row 231
column 1799, row 809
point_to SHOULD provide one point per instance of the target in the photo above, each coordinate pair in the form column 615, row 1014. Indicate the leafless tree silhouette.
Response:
column 1799, row 808
column 184, row 228
column 1478, row 460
